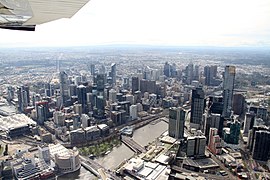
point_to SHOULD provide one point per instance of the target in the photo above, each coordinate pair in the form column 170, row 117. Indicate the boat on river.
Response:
column 127, row 130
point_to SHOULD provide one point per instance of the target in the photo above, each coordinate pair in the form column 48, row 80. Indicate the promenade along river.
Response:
column 143, row 136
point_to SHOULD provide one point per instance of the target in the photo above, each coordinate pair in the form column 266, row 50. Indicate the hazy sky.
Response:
column 155, row 22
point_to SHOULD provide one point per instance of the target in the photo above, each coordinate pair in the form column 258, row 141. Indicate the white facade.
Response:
column 133, row 112
column 44, row 153
column 85, row 120
column 228, row 86
column 66, row 160
column 112, row 96
column 130, row 98
column 59, row 118
column 78, row 109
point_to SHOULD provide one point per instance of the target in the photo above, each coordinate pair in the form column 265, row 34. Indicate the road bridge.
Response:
column 96, row 169
column 133, row 145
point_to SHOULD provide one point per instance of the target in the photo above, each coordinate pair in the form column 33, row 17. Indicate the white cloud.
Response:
column 169, row 22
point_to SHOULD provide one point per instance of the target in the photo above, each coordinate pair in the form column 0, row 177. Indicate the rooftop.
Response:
column 60, row 150
column 15, row 121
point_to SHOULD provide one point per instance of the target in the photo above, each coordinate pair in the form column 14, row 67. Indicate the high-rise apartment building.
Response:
column 64, row 82
column 23, row 97
column 228, row 87
column 113, row 73
column 214, row 142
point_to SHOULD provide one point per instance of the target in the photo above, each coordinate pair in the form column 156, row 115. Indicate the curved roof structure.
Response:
column 26, row 14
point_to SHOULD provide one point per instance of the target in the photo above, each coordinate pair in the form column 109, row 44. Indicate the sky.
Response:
column 154, row 22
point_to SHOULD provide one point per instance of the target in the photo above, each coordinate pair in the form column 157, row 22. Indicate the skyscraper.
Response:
column 211, row 121
column 196, row 146
column 196, row 75
column 133, row 112
column 81, row 90
column 238, row 103
column 112, row 96
column 231, row 135
column 99, row 81
column 64, row 82
column 228, row 87
column 113, row 73
column 42, row 109
column 148, row 86
column 210, row 72
column 92, row 69
column 214, row 142
column 189, row 73
column 249, row 121
column 261, row 149
column 197, row 107
column 261, row 112
column 99, row 96
column 167, row 70
column 176, row 122
column 252, row 135
column 134, row 84
column 10, row 91
column 72, row 90
column 23, row 97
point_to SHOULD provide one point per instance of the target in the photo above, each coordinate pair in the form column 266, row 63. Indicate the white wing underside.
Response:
column 50, row 10
column 33, row 12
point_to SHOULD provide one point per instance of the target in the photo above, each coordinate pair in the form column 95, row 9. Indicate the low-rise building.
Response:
column 105, row 129
column 77, row 136
column 66, row 160
column 92, row 133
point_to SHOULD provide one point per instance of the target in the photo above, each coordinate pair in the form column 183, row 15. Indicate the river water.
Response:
column 143, row 136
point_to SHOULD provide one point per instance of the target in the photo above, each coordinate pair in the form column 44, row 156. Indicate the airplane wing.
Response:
column 26, row 14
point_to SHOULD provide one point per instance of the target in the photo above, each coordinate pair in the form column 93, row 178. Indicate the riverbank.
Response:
column 143, row 135
column 100, row 149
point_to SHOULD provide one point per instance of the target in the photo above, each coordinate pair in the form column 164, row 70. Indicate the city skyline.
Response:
column 107, row 114
column 174, row 23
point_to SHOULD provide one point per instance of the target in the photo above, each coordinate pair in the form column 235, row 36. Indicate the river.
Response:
column 143, row 136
